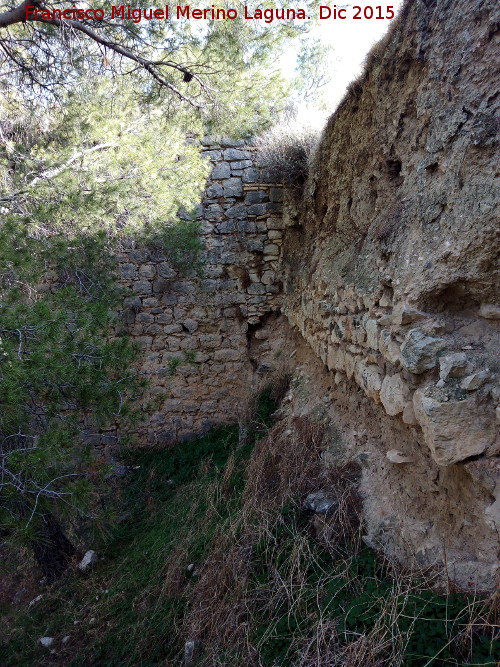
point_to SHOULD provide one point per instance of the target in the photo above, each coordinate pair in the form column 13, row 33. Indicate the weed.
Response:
column 286, row 150
column 173, row 364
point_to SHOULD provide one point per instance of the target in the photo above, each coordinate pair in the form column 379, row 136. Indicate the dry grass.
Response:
column 226, row 600
column 286, row 150
column 230, row 558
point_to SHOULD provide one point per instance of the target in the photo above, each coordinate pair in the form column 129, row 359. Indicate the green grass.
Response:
column 355, row 592
column 132, row 616
column 177, row 505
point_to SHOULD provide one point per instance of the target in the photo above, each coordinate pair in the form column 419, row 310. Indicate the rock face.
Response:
column 390, row 277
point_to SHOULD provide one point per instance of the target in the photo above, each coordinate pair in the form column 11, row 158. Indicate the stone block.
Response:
column 369, row 377
column 145, row 318
column 239, row 166
column 246, row 226
column 454, row 430
column 271, row 249
column 236, row 154
column 237, row 211
column 163, row 318
column 133, row 302
column 128, row 316
column 256, row 197
column 213, row 212
column 257, row 209
column 226, row 227
column 183, row 287
column 454, row 365
column 256, row 288
column 213, row 155
column 274, row 223
column 404, row 314
column 228, row 142
column 255, row 246
column 142, row 287
column 210, row 140
column 128, row 271
column 476, row 380
column 349, row 364
column 147, row 271
column 165, row 270
column 232, row 187
column 250, row 175
column 179, row 313
column 221, row 170
column 191, row 343
column 409, row 414
column 394, row 394
column 169, row 299
column 143, row 341
column 172, row 328
column 190, row 324
column 153, row 329
column 268, row 277
column 388, row 348
column 210, row 340
column 226, row 355
column 419, row 351
column 214, row 190
column 140, row 255
column 372, row 334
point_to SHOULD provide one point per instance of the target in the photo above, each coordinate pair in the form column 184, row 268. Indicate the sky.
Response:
column 350, row 40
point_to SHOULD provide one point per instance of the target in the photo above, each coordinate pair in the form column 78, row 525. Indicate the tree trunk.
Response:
column 52, row 550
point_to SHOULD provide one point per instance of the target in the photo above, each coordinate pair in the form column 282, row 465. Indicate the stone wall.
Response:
column 385, row 270
column 391, row 277
column 195, row 331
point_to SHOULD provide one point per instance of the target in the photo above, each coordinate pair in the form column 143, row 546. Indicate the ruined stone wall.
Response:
column 391, row 277
column 385, row 268
column 194, row 330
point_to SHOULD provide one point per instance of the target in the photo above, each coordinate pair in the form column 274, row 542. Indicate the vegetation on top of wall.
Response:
column 215, row 547
column 286, row 150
